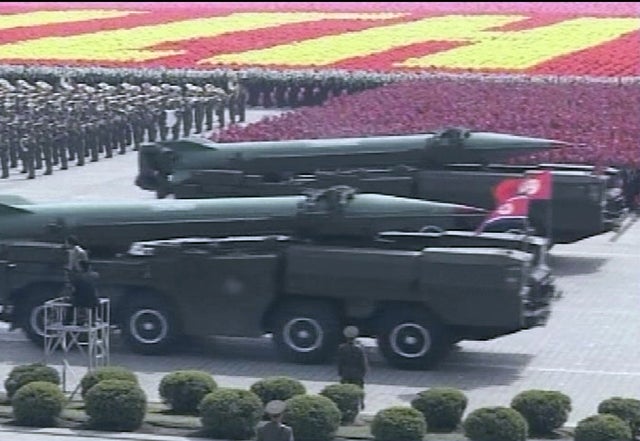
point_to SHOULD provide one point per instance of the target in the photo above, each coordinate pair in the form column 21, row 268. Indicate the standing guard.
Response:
column 352, row 360
column 27, row 153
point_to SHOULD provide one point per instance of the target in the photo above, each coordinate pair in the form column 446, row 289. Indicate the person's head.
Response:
column 350, row 333
column 72, row 241
column 275, row 409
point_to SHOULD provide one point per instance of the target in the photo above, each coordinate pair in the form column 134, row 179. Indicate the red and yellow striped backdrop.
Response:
column 563, row 39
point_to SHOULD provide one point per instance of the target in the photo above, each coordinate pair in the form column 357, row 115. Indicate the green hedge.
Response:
column 116, row 405
column 184, row 390
column 90, row 379
column 398, row 424
column 25, row 374
column 495, row 424
column 603, row 427
column 312, row 417
column 277, row 388
column 347, row 397
column 230, row 413
column 544, row 410
column 627, row 409
column 442, row 408
column 38, row 403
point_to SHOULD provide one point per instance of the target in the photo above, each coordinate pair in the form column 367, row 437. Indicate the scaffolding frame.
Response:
column 68, row 327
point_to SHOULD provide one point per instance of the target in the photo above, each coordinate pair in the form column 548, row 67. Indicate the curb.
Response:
column 72, row 433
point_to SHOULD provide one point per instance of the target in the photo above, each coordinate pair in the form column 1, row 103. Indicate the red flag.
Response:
column 537, row 185
column 506, row 189
column 516, row 207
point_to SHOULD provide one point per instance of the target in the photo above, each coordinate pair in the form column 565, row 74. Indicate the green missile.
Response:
column 337, row 213
column 179, row 158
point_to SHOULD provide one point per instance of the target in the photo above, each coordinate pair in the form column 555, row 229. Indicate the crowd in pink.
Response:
column 599, row 119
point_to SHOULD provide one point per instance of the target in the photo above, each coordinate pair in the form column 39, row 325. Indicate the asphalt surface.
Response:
column 588, row 350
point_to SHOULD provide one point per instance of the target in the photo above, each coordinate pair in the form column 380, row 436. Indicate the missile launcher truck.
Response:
column 402, row 288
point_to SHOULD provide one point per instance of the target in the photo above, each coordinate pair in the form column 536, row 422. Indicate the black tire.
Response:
column 148, row 325
column 306, row 332
column 30, row 312
column 411, row 339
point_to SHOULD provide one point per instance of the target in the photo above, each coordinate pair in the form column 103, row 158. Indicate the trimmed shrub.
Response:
column 627, row 409
column 230, row 413
column 495, row 424
column 183, row 390
column 312, row 417
column 398, row 423
column 277, row 388
column 106, row 373
column 38, row 403
column 442, row 408
column 21, row 375
column 604, row 427
column 544, row 410
column 116, row 405
column 347, row 397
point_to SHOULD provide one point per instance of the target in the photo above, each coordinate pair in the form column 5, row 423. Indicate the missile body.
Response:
column 179, row 158
column 338, row 213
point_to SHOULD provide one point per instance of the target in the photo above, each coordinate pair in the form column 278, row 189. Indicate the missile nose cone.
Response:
column 468, row 209
column 491, row 140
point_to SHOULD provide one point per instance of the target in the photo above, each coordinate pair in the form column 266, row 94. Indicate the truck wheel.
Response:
column 306, row 332
column 31, row 314
column 148, row 326
column 411, row 340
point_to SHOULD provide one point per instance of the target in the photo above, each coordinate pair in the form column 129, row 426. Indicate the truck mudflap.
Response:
column 536, row 311
column 542, row 287
column 6, row 313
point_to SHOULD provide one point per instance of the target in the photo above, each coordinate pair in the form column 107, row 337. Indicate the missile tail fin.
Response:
column 6, row 209
column 13, row 199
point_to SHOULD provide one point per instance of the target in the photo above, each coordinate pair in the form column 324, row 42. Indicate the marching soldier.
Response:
column 173, row 118
column 136, row 118
column 43, row 152
column 187, row 115
column 59, row 142
column 215, row 101
column 90, row 129
column 27, row 154
column 4, row 155
column 198, row 109
column 14, row 145
column 76, row 142
column 237, row 98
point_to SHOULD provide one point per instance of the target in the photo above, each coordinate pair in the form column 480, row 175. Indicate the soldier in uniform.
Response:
column 44, row 150
column 27, row 154
column 60, row 144
column 274, row 430
column 198, row 109
column 187, row 115
column 77, row 148
column 237, row 98
column 4, row 155
column 352, row 360
column 14, row 144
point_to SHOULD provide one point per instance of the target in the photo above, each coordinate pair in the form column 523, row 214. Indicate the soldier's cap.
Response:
column 351, row 332
column 275, row 407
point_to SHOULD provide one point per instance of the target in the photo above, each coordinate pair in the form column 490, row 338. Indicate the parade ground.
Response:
column 588, row 350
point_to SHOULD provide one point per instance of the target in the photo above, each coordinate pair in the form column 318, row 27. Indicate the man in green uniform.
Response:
column 274, row 430
column 352, row 360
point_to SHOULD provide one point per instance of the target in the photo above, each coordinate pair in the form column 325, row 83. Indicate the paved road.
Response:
column 589, row 349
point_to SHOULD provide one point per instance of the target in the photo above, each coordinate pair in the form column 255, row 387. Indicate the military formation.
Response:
column 43, row 126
